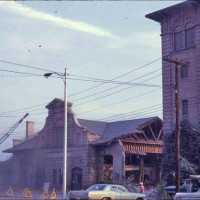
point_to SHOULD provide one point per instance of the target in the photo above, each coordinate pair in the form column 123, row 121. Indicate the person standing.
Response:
column 141, row 187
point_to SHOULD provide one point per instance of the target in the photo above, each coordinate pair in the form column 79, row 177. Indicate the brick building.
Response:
column 180, row 36
column 97, row 151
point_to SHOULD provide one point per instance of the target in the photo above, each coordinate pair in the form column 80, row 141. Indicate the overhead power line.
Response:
column 7, row 62
column 112, row 104
column 130, row 82
column 117, row 77
column 113, row 92
column 26, row 108
column 17, row 72
column 115, row 82
column 26, row 66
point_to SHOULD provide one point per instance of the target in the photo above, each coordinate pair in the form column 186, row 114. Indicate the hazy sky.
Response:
column 99, row 40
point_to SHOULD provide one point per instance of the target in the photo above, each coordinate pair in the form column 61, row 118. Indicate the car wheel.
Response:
column 106, row 198
column 139, row 198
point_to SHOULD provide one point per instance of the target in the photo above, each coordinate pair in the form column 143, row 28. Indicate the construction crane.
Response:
column 7, row 134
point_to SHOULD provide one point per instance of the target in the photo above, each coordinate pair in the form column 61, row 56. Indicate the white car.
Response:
column 105, row 192
column 188, row 196
column 193, row 190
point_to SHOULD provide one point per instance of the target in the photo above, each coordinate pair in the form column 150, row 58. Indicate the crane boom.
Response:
column 7, row 134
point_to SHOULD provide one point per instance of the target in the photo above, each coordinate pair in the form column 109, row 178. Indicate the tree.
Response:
column 189, row 153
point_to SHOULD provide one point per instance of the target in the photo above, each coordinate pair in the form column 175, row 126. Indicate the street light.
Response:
column 64, row 78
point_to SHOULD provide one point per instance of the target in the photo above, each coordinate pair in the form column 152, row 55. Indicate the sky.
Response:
column 112, row 54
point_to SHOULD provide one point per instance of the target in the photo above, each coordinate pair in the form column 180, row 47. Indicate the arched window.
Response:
column 178, row 39
column 184, row 37
column 189, row 36
column 76, row 180
column 59, row 133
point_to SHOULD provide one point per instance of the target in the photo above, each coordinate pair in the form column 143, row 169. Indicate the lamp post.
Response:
column 64, row 78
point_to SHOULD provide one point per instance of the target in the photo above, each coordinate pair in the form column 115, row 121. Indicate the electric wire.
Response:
column 112, row 104
column 26, row 66
column 135, row 84
column 73, row 75
column 113, row 92
column 117, row 77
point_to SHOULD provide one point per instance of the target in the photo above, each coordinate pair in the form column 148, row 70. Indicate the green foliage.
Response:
column 189, row 154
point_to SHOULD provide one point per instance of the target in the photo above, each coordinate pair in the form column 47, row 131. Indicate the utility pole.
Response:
column 65, row 154
column 177, row 64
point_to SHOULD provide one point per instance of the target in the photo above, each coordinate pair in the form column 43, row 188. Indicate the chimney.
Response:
column 29, row 129
column 16, row 142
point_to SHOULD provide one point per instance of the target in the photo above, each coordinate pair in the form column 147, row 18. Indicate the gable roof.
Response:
column 114, row 130
column 92, row 126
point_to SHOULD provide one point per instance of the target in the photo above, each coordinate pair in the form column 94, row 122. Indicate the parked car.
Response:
column 191, row 184
column 193, row 190
column 188, row 196
column 105, row 192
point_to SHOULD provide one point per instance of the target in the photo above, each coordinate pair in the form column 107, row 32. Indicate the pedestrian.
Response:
column 141, row 187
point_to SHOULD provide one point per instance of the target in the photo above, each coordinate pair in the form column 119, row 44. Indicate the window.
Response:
column 179, row 41
column 79, row 141
column 59, row 136
column 54, row 176
column 60, row 176
column 184, row 107
column 121, row 190
column 184, row 71
column 189, row 38
column 114, row 189
column 184, row 39
column 57, row 176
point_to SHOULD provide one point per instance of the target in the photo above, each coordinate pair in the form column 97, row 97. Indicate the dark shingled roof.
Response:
column 113, row 130
column 92, row 126
column 28, row 145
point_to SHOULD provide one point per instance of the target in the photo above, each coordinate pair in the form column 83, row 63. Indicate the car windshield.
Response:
column 96, row 187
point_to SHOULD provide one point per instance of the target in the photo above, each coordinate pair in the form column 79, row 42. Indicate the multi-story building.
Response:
column 180, row 35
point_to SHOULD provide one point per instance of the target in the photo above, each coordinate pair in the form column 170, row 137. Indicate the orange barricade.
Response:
column 53, row 195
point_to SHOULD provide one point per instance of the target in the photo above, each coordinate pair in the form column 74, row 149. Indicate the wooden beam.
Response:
column 160, row 132
column 136, row 136
column 152, row 132
column 159, row 142
column 144, row 135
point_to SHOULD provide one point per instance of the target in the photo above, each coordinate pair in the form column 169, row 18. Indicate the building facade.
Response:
column 97, row 152
column 180, row 36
